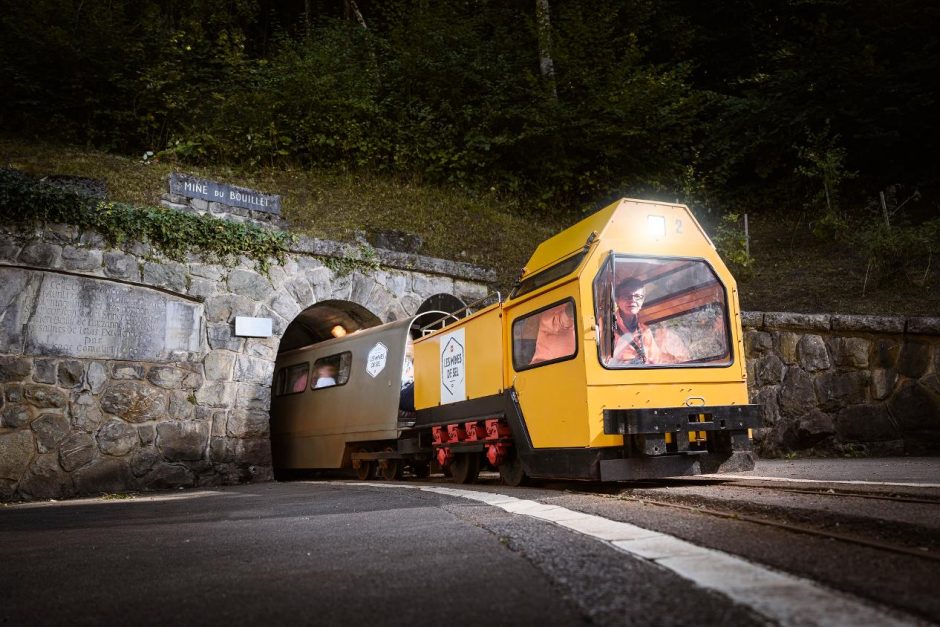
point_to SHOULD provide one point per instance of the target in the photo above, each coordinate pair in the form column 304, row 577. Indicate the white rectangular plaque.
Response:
column 453, row 367
column 252, row 327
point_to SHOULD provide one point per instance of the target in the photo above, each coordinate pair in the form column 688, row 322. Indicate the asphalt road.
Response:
column 340, row 552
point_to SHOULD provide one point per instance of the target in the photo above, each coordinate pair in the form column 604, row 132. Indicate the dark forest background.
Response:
column 739, row 105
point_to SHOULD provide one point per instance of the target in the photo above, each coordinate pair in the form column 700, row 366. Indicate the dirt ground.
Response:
column 796, row 271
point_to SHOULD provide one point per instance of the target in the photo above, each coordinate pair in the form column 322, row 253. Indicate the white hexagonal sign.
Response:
column 375, row 360
column 453, row 367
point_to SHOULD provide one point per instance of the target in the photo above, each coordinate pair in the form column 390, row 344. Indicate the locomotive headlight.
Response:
column 656, row 226
column 338, row 331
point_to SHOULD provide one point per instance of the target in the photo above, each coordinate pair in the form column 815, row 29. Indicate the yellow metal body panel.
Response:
column 552, row 397
column 483, row 358
column 568, row 241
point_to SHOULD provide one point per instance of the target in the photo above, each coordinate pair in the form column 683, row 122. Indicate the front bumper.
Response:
column 664, row 432
column 677, row 419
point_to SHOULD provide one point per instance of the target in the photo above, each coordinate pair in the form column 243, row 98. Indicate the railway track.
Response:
column 768, row 516
column 920, row 553
column 860, row 528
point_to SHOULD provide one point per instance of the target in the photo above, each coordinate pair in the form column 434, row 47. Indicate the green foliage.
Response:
column 899, row 252
column 731, row 242
column 362, row 258
column 174, row 234
column 752, row 105
column 822, row 161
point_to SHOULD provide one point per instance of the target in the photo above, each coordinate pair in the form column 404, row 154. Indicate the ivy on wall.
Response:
column 26, row 201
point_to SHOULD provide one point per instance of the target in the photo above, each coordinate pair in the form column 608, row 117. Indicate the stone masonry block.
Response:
column 219, row 365
column 786, row 342
column 812, row 353
column 914, row 359
column 13, row 368
column 868, row 324
column 803, row 322
column 250, row 284
column 16, row 452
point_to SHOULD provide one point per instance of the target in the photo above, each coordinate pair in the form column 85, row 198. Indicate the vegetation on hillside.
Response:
column 485, row 229
column 737, row 106
column 483, row 126
column 27, row 201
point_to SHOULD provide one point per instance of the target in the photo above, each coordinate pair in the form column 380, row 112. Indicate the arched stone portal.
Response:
column 318, row 322
column 447, row 303
column 120, row 370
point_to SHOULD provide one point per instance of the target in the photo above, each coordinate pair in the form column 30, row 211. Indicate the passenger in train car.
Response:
column 634, row 343
column 406, row 399
column 326, row 376
column 556, row 337
column 298, row 379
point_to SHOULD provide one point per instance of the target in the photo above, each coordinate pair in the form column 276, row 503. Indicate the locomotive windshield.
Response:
column 660, row 312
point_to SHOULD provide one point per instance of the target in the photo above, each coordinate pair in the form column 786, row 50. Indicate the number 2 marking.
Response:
column 678, row 226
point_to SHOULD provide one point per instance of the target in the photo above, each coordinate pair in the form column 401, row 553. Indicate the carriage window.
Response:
column 292, row 379
column 331, row 371
column 660, row 312
column 544, row 336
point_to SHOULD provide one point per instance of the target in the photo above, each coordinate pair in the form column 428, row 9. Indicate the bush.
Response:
column 732, row 245
column 896, row 252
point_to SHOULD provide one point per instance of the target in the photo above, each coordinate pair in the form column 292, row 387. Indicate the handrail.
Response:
column 456, row 314
column 444, row 315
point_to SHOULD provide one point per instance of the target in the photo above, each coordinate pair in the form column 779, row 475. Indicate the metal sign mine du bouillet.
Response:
column 231, row 195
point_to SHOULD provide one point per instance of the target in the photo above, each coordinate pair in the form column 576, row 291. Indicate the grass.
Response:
column 485, row 230
column 796, row 271
column 793, row 270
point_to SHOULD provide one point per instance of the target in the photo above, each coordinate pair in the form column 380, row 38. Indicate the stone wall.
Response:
column 120, row 370
column 845, row 385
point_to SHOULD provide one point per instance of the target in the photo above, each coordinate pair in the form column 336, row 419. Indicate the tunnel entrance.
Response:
column 447, row 303
column 324, row 321
column 320, row 322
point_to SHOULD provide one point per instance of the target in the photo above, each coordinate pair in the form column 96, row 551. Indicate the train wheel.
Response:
column 421, row 470
column 465, row 467
column 512, row 473
column 390, row 469
column 364, row 468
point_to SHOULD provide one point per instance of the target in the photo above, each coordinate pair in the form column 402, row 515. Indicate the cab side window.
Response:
column 544, row 336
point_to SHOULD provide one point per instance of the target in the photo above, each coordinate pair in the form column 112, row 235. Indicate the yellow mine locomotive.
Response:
column 618, row 355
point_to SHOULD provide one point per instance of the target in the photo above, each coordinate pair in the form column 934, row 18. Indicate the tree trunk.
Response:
column 353, row 10
column 544, row 26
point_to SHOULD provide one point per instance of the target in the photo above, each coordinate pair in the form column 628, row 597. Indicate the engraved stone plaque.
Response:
column 86, row 317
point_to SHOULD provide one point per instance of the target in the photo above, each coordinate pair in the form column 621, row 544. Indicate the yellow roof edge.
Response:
column 574, row 238
column 569, row 241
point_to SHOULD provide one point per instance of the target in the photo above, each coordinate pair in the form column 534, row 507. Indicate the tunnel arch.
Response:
column 440, row 302
column 316, row 323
